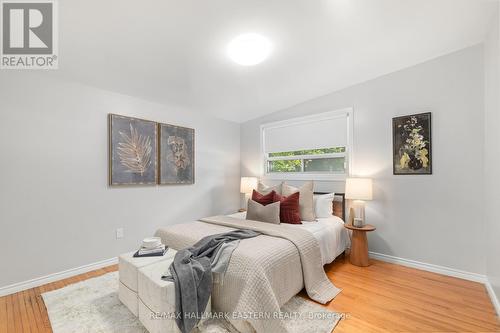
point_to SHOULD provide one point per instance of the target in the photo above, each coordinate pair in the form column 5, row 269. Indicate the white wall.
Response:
column 435, row 219
column 492, row 154
column 56, row 210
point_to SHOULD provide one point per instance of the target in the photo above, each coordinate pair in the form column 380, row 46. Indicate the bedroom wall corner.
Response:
column 492, row 156
column 416, row 216
column 57, row 212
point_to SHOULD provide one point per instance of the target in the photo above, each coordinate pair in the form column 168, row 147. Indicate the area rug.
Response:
column 92, row 306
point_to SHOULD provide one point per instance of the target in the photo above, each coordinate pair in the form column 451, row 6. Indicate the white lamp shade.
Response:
column 248, row 184
column 358, row 189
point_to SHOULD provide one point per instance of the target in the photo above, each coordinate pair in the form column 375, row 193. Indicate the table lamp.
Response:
column 247, row 185
column 359, row 190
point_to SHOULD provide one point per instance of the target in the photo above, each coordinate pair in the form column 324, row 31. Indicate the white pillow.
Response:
column 323, row 205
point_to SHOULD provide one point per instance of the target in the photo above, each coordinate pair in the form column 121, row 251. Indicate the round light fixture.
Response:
column 249, row 49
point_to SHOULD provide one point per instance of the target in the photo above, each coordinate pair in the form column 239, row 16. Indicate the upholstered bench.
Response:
column 128, row 268
column 147, row 296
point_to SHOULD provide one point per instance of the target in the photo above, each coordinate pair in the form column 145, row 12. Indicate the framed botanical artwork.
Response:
column 176, row 154
column 412, row 144
column 133, row 147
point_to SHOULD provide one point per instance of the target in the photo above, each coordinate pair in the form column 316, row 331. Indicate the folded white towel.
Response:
column 157, row 249
column 151, row 242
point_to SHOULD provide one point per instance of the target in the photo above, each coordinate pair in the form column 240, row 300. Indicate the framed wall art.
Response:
column 176, row 154
column 133, row 147
column 412, row 144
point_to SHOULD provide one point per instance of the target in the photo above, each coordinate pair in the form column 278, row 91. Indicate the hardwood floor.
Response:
column 380, row 298
column 392, row 298
column 25, row 311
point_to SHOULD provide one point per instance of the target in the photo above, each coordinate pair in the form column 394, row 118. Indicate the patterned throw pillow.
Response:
column 258, row 212
column 289, row 208
column 263, row 199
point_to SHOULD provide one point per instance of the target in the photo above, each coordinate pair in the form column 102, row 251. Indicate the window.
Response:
column 314, row 147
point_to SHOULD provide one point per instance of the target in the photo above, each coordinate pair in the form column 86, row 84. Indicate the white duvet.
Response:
column 330, row 232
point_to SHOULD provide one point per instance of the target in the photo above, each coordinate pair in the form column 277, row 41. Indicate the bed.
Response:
column 268, row 270
column 333, row 238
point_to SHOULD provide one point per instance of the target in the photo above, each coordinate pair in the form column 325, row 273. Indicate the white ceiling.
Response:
column 172, row 51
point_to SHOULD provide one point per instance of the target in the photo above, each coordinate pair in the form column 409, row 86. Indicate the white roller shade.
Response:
column 307, row 134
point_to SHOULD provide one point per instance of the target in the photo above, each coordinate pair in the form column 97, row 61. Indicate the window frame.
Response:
column 303, row 175
column 307, row 157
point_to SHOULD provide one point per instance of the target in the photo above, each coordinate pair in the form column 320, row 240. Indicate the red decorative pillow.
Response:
column 263, row 199
column 289, row 208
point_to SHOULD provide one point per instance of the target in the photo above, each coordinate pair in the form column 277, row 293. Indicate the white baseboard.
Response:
column 442, row 270
column 20, row 286
column 493, row 296
column 431, row 267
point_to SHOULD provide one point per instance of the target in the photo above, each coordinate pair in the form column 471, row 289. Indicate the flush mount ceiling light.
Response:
column 249, row 49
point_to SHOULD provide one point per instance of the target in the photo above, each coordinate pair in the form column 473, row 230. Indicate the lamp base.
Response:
column 246, row 197
column 359, row 208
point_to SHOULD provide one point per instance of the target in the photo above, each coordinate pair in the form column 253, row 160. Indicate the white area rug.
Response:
column 92, row 306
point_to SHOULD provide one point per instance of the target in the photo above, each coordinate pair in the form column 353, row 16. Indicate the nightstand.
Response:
column 359, row 244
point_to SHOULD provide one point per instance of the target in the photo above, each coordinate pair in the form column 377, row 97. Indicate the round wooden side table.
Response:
column 359, row 244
